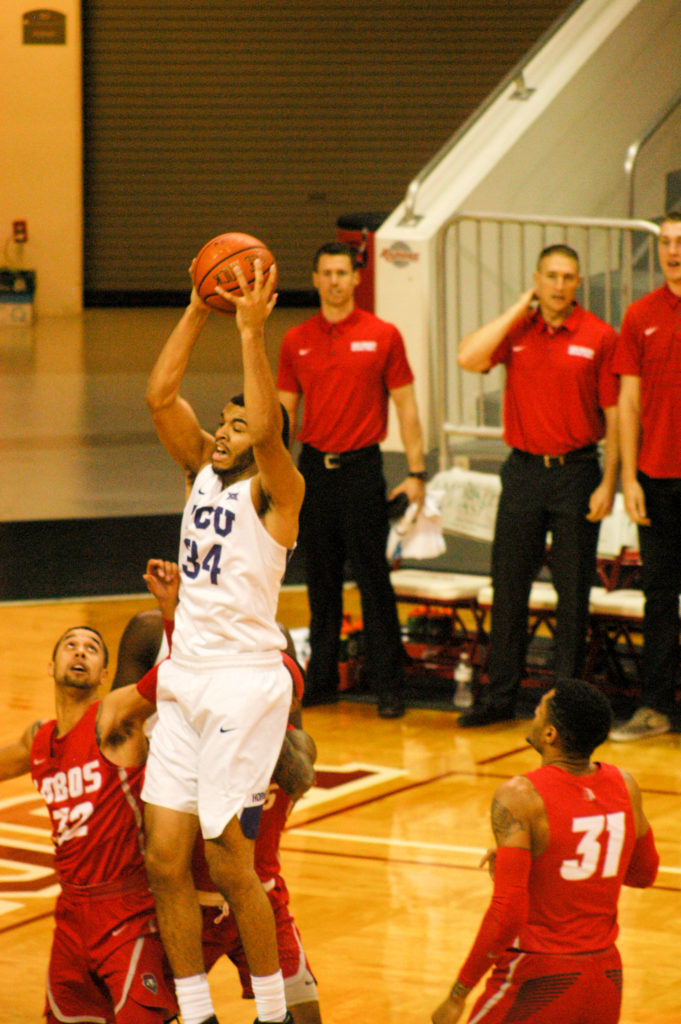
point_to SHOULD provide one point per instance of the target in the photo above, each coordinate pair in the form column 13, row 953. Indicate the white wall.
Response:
column 41, row 156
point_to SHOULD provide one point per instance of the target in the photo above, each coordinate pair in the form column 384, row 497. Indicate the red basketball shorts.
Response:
column 548, row 989
column 107, row 963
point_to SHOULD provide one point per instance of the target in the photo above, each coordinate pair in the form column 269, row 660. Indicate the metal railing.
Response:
column 634, row 149
column 485, row 260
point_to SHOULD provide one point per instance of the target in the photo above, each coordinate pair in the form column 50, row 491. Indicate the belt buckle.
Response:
column 332, row 460
column 551, row 460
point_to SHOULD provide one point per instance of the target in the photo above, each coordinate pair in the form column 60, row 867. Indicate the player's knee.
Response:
column 230, row 855
column 232, row 873
column 165, row 867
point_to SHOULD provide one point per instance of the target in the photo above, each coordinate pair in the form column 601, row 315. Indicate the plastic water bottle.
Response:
column 463, row 677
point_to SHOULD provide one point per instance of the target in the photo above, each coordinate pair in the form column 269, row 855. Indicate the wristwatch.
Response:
column 420, row 474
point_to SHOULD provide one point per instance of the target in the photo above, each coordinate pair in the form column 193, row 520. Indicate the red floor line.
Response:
column 383, row 859
column 506, row 753
column 25, row 921
column 398, row 792
column 324, row 815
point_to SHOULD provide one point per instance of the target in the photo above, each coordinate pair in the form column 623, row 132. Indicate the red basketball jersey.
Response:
column 95, row 806
column 574, row 885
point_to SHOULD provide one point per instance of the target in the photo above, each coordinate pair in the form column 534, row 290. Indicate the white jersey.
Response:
column 231, row 572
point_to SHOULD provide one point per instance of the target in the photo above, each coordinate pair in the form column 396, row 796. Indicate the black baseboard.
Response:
column 49, row 559
column 82, row 557
column 117, row 299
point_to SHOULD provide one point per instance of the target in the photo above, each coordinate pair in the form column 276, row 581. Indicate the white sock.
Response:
column 193, row 995
column 270, row 1000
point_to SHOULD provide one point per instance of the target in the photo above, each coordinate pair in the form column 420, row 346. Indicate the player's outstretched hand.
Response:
column 489, row 861
column 256, row 302
column 195, row 299
column 163, row 581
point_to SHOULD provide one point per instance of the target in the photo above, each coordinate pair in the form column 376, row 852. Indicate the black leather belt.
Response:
column 334, row 460
column 590, row 451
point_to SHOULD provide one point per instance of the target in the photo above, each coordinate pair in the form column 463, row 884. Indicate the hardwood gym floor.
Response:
column 381, row 859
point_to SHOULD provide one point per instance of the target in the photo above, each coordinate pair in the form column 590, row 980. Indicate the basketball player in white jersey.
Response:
column 224, row 695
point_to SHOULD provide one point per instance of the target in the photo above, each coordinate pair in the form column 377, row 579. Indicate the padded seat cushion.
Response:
column 624, row 603
column 440, row 586
column 543, row 596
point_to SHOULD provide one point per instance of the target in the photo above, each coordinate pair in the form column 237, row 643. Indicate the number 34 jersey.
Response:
column 230, row 573
column 94, row 806
column 575, row 884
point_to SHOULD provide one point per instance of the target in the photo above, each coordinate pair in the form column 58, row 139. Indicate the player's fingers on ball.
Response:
column 240, row 276
column 225, row 295
column 271, row 282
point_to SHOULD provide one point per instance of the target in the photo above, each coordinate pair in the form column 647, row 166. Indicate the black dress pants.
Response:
column 344, row 516
column 534, row 500
column 660, row 545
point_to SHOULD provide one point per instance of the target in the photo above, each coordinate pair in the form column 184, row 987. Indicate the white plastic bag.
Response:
column 418, row 534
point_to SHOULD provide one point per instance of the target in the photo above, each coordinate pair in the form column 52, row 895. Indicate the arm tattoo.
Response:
column 504, row 824
column 458, row 990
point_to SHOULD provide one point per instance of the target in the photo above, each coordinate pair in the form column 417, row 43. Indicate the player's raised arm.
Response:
column 176, row 423
column 278, row 487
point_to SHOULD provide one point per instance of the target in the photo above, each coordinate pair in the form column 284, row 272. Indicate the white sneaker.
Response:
column 644, row 722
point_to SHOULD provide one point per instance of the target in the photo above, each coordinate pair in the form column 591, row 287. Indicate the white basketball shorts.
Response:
column 217, row 739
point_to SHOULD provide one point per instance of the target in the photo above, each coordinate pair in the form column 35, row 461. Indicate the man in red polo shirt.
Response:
column 648, row 358
column 560, row 400
column 346, row 363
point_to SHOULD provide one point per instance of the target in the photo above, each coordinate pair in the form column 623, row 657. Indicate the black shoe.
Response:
column 486, row 714
column 315, row 698
column 391, row 707
column 210, row 1020
column 288, row 1019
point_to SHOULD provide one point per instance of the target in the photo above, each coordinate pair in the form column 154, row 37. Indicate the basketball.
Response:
column 213, row 267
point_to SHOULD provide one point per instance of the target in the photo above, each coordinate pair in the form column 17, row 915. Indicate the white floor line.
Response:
column 380, row 841
column 411, row 843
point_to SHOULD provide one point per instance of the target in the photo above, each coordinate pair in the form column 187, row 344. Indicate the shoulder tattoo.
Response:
column 504, row 824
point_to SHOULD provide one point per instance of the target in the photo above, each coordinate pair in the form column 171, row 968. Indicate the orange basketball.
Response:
column 214, row 266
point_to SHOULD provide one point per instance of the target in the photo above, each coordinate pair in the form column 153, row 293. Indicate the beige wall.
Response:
column 41, row 155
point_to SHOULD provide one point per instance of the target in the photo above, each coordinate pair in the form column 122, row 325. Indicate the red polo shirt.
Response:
column 344, row 372
column 558, row 382
column 650, row 348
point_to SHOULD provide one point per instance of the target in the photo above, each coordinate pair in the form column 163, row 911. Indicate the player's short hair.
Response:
column 581, row 714
column 90, row 629
column 559, row 249
column 286, row 428
column 674, row 215
column 335, row 249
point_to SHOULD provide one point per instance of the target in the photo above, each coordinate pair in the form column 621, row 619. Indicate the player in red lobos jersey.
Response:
column 107, row 963
column 569, row 835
